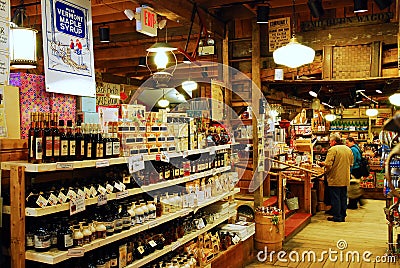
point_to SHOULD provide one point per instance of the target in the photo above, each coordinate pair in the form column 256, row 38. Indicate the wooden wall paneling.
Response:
column 376, row 59
column 327, row 64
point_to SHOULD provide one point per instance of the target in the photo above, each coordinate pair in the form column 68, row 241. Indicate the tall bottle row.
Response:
column 51, row 140
column 349, row 125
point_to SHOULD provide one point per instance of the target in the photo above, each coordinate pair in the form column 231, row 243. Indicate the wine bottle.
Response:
column 79, row 143
column 63, row 142
column 71, row 141
column 48, row 141
column 31, row 136
column 38, row 139
column 55, row 132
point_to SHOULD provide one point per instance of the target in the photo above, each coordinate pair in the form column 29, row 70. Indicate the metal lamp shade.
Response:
column 23, row 48
column 104, row 34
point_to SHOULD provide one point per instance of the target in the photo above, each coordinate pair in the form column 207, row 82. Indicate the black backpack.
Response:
column 364, row 165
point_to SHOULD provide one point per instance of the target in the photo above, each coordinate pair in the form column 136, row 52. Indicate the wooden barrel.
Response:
column 267, row 234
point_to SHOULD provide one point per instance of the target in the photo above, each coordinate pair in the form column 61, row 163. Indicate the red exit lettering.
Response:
column 149, row 19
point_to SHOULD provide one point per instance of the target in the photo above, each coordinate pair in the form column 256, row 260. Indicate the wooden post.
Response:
column 17, row 216
column 226, row 74
column 255, row 105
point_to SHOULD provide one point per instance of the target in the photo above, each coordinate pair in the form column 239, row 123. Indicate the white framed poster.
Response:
column 68, row 47
column 279, row 31
column 4, row 35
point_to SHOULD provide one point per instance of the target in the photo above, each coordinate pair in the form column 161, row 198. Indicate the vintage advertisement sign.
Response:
column 5, row 9
column 107, row 94
column 4, row 67
column 279, row 32
column 68, row 47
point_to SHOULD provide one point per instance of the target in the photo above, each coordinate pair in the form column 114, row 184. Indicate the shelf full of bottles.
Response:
column 348, row 125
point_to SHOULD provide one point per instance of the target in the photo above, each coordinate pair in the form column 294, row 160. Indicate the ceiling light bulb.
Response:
column 395, row 99
column 313, row 93
column 330, row 117
column 163, row 103
column 189, row 85
column 294, row 54
column 161, row 60
column 371, row 112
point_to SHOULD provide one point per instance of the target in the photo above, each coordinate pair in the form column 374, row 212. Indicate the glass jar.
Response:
column 77, row 236
column 152, row 210
column 42, row 238
column 87, row 234
column 131, row 212
column 139, row 215
column 93, row 230
column 145, row 211
column 101, row 230
column 164, row 204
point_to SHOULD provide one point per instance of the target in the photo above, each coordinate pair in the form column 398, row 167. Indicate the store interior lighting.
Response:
column 330, row 117
column 163, row 102
column 104, row 34
column 294, row 54
column 316, row 8
column 262, row 14
column 360, row 6
column 22, row 42
column 395, row 99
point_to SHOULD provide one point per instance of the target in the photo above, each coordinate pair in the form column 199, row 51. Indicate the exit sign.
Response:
column 147, row 22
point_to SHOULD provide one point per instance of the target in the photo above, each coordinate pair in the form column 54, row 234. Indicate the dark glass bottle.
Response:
column 31, row 136
column 47, row 141
column 126, row 217
column 107, row 146
column 87, row 139
column 116, row 145
column 64, row 236
column 100, row 263
column 79, row 143
column 117, row 219
column 42, row 237
column 64, row 144
column 114, row 258
column 38, row 141
column 55, row 132
column 99, row 145
column 94, row 139
column 30, row 236
column 106, row 258
column 71, row 141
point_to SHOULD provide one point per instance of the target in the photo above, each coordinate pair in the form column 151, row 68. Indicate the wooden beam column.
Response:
column 226, row 73
column 17, row 216
column 255, row 104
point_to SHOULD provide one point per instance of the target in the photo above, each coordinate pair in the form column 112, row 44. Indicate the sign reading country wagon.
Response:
column 70, row 20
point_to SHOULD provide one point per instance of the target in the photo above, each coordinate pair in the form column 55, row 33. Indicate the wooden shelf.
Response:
column 179, row 242
column 37, row 212
column 348, row 130
column 55, row 256
column 47, row 167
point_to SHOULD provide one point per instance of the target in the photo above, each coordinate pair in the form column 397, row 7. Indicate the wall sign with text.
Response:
column 279, row 33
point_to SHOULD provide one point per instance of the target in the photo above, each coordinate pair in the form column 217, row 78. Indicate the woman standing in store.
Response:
column 355, row 192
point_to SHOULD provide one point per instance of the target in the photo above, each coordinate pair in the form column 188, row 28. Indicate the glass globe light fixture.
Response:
column 330, row 117
column 395, row 99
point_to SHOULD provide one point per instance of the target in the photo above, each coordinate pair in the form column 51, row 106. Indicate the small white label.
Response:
column 93, row 191
column 102, row 163
column 64, row 166
column 77, row 205
column 212, row 150
column 102, row 190
column 62, row 198
column 101, row 199
column 153, row 224
column 176, row 245
column 136, row 163
column 109, row 188
column 122, row 194
column 117, row 186
column 140, row 249
column 53, row 200
column 41, row 201
column 71, row 194
column 236, row 239
column 123, row 187
column 87, row 191
column 76, row 252
column 81, row 193
column 152, row 243
column 165, row 157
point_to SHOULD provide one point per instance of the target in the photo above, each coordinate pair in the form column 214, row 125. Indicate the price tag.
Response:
column 76, row 252
column 64, row 166
column 77, row 205
column 81, row 193
column 153, row 224
column 101, row 199
column 117, row 186
column 236, row 239
column 176, row 245
column 140, row 249
column 136, row 163
column 102, row 163
column 123, row 194
column 185, row 154
column 212, row 150
column 152, row 243
column 165, row 157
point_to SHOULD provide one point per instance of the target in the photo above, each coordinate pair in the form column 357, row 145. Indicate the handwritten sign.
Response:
column 76, row 252
column 64, row 166
column 102, row 163
column 279, row 32
column 136, row 163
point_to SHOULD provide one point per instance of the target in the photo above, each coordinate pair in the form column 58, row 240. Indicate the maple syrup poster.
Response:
column 68, row 47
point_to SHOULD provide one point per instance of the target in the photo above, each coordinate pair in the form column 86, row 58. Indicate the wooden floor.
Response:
column 365, row 229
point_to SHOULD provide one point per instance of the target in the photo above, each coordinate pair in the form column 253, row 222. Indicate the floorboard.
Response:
column 365, row 229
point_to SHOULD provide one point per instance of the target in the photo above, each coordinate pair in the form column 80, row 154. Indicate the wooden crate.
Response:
column 389, row 56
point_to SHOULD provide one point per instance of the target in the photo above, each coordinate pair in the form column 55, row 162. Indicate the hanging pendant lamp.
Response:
column 294, row 54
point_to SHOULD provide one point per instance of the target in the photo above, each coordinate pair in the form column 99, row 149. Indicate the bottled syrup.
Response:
column 79, row 143
column 48, row 141
column 56, row 138
column 31, row 136
column 116, row 146
column 87, row 140
column 71, row 142
column 38, row 140
column 63, row 142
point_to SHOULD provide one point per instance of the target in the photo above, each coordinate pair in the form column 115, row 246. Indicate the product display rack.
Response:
column 17, row 208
